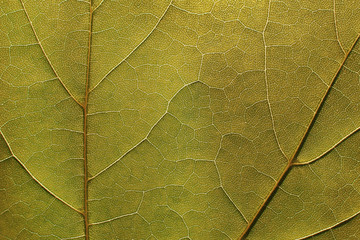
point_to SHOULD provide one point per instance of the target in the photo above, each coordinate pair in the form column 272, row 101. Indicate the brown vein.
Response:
column 46, row 57
column 292, row 160
column 83, row 106
column 85, row 114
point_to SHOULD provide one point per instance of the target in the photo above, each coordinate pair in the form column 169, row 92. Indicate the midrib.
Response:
column 85, row 114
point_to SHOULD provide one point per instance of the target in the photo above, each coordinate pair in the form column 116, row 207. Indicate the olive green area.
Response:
column 194, row 110
column 350, row 230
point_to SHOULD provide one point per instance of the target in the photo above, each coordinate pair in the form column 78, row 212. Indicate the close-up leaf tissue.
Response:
column 179, row 119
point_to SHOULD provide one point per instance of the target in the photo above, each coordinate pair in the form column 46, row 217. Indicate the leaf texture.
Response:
column 179, row 119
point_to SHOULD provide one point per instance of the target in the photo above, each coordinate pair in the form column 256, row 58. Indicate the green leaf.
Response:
column 179, row 119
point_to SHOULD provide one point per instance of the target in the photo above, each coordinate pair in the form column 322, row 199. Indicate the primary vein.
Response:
column 85, row 113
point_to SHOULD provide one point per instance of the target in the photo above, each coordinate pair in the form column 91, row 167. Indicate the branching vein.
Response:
column 127, row 56
column 35, row 179
column 46, row 56
column 292, row 160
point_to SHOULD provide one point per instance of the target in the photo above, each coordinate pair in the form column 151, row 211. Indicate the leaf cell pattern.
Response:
column 178, row 119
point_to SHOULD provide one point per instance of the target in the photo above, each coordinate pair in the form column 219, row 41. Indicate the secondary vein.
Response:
column 298, row 149
column 46, row 56
column 134, row 49
column 34, row 178
column 332, row 227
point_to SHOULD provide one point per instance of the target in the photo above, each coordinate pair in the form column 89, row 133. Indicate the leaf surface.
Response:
column 179, row 119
